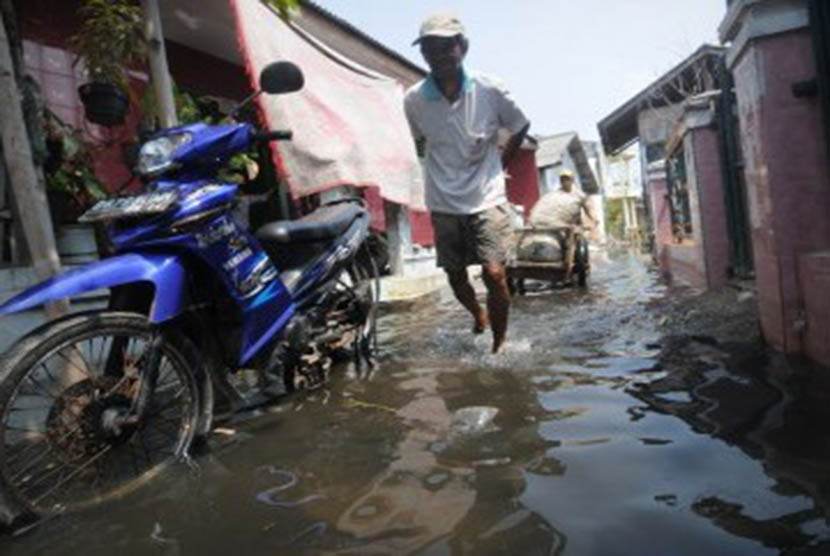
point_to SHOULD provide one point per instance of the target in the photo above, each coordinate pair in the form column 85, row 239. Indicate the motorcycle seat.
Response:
column 326, row 223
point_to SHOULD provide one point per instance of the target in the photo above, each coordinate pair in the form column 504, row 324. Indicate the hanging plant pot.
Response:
column 104, row 103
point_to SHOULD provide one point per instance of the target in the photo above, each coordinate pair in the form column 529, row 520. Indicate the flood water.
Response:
column 574, row 440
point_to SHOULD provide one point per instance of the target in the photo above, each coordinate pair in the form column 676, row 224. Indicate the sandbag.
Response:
column 539, row 247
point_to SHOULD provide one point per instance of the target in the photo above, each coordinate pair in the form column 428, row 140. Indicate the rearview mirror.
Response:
column 281, row 77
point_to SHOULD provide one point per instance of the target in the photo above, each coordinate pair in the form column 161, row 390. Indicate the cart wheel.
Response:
column 520, row 286
column 582, row 277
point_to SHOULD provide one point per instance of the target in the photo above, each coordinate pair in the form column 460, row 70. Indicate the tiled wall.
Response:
column 59, row 74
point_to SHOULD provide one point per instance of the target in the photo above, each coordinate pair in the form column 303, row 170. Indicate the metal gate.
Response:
column 737, row 214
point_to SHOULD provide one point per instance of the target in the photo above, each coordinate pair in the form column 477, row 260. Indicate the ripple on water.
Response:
column 616, row 366
column 577, row 462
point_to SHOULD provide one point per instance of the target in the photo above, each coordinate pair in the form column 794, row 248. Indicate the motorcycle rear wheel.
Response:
column 61, row 386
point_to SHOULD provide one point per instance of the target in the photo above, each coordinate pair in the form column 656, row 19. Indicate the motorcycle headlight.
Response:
column 156, row 156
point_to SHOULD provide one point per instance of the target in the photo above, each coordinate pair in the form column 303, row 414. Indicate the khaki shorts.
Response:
column 466, row 239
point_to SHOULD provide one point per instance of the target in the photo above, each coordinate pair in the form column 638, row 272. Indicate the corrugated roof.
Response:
column 619, row 129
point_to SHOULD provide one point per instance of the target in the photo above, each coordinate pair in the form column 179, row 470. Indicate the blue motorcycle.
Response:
column 203, row 318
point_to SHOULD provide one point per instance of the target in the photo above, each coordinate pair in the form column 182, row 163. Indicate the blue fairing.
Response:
column 211, row 147
column 197, row 256
column 165, row 272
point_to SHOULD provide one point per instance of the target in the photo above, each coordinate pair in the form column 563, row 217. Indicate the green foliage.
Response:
column 284, row 7
column 110, row 39
column 187, row 109
column 614, row 219
column 69, row 167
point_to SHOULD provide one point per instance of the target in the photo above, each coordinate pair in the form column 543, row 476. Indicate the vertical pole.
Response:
column 397, row 237
column 29, row 192
column 162, row 84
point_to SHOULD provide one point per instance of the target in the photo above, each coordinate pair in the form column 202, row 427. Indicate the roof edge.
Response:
column 634, row 101
column 345, row 25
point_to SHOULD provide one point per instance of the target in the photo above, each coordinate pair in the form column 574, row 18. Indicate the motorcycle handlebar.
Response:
column 278, row 135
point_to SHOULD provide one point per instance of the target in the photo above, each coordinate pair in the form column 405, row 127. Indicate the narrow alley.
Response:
column 600, row 429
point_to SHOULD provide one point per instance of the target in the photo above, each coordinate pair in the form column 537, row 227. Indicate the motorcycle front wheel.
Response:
column 64, row 390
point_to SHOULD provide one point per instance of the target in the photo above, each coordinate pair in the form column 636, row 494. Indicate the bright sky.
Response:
column 568, row 62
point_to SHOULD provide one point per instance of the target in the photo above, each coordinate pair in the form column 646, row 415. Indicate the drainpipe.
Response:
column 162, row 83
column 820, row 28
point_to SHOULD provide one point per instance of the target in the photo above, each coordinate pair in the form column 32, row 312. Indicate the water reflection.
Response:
column 581, row 438
column 773, row 411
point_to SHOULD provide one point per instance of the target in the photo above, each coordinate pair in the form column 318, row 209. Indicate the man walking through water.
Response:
column 455, row 115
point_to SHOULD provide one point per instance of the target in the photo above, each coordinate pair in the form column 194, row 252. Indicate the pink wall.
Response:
column 786, row 171
column 661, row 221
column 814, row 274
column 55, row 71
column 47, row 27
column 685, row 265
column 660, row 211
column 523, row 183
column 701, row 261
column 709, row 179
column 422, row 231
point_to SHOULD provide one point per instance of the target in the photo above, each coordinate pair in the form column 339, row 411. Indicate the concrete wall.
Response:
column 786, row 170
column 660, row 211
column 685, row 264
column 814, row 279
column 711, row 203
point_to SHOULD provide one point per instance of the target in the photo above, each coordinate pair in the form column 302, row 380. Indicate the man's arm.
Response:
column 589, row 211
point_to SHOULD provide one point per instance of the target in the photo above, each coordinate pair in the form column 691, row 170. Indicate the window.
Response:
column 678, row 192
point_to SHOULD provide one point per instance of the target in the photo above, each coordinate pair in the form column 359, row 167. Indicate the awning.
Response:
column 348, row 122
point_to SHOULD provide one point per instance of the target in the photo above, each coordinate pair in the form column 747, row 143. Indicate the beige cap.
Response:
column 566, row 174
column 440, row 25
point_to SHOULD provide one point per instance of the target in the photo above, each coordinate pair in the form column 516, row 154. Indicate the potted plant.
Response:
column 110, row 40
column 71, row 188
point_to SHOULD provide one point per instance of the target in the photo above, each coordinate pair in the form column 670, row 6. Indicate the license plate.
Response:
column 124, row 207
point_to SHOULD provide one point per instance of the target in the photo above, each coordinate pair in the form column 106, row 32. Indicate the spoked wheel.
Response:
column 365, row 277
column 67, row 391
column 359, row 292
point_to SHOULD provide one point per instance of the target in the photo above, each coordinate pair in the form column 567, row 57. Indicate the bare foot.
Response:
column 481, row 323
column 498, row 342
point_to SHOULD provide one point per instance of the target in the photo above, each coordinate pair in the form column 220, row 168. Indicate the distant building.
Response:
column 565, row 151
column 560, row 152
column 685, row 128
column 623, row 192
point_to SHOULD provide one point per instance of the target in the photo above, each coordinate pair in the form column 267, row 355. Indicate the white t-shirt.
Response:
column 557, row 209
column 462, row 169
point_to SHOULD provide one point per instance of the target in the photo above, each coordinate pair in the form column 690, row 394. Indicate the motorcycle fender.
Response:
column 166, row 272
